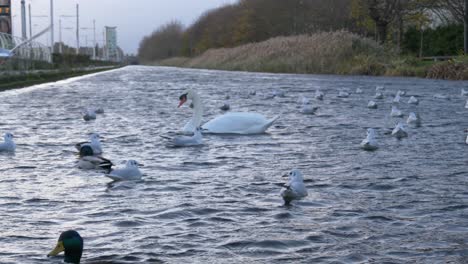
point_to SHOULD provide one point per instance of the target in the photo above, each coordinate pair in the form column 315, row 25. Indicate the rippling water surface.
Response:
column 407, row 202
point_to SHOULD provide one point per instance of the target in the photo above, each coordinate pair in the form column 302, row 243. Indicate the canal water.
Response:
column 406, row 202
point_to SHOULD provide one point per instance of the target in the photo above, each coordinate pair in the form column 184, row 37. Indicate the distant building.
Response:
column 111, row 49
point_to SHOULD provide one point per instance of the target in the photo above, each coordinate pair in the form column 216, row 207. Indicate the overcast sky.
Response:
column 134, row 19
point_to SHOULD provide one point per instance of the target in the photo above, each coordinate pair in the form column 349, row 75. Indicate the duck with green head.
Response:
column 70, row 242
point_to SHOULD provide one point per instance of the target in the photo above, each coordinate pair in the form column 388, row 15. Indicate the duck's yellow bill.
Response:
column 59, row 248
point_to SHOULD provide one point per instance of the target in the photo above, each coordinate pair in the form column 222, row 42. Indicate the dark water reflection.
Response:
column 405, row 203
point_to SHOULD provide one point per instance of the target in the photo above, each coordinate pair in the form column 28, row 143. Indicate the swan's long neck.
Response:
column 197, row 110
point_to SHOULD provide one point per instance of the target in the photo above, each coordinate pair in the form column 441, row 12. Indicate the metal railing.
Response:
column 29, row 51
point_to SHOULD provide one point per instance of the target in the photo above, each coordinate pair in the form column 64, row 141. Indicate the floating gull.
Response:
column 378, row 95
column 8, row 145
column 89, row 114
column 372, row 105
column 464, row 92
column 252, row 92
column 396, row 100
column 343, row 94
column 466, row 105
column 94, row 143
column 129, row 173
column 358, row 91
column 318, row 95
column 399, row 131
column 402, row 93
column 413, row 100
column 225, row 106
column 441, row 96
column 413, row 119
column 279, row 93
column 187, row 141
column 369, row 143
column 396, row 112
column 99, row 110
column 466, row 139
column 379, row 88
column 304, row 100
column 295, row 188
column 308, row 109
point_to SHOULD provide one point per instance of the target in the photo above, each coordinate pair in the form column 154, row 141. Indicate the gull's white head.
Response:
column 371, row 132
column 8, row 136
column 295, row 175
column 94, row 137
column 132, row 164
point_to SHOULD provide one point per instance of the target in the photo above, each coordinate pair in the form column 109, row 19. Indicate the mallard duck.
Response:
column 295, row 188
column 88, row 161
column 94, row 143
column 70, row 242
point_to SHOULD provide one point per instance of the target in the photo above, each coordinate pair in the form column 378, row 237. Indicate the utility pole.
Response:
column 51, row 28
column 94, row 39
column 23, row 20
column 60, row 36
column 30, row 23
column 77, row 29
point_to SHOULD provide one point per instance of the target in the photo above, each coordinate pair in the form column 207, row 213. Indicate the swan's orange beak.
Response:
column 182, row 101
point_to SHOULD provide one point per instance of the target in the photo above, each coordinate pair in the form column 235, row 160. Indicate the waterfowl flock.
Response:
column 242, row 123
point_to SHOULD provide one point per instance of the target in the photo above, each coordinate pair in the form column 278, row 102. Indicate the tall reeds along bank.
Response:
column 339, row 52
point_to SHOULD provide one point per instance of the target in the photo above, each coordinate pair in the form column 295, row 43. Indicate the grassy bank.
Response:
column 19, row 80
column 338, row 52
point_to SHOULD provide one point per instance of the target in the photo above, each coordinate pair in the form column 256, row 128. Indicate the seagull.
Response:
column 413, row 119
column 279, row 93
column 89, row 114
column 466, row 105
column 187, row 141
column 8, row 145
column 225, row 106
column 378, row 95
column 295, row 188
column 88, row 161
column 396, row 112
column 308, row 109
column 369, row 143
column 464, row 92
column 358, row 91
column 318, row 95
column 379, row 88
column 396, row 100
column 304, row 100
column 372, row 105
column 94, row 143
column 402, row 93
column 399, row 131
column 129, row 173
column 99, row 110
column 343, row 94
column 466, row 139
column 413, row 100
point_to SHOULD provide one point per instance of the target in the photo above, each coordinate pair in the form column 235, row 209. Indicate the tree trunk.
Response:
column 466, row 28
column 421, row 44
column 382, row 31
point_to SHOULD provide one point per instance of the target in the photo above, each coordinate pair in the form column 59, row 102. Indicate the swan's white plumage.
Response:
column 238, row 123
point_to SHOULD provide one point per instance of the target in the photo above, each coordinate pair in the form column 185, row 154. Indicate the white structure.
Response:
column 111, row 49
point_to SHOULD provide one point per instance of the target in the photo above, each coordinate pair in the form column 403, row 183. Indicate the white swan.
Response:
column 369, row 143
column 295, row 188
column 413, row 100
column 129, row 173
column 399, row 131
column 396, row 112
column 94, row 143
column 229, row 123
column 372, row 105
column 8, row 145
